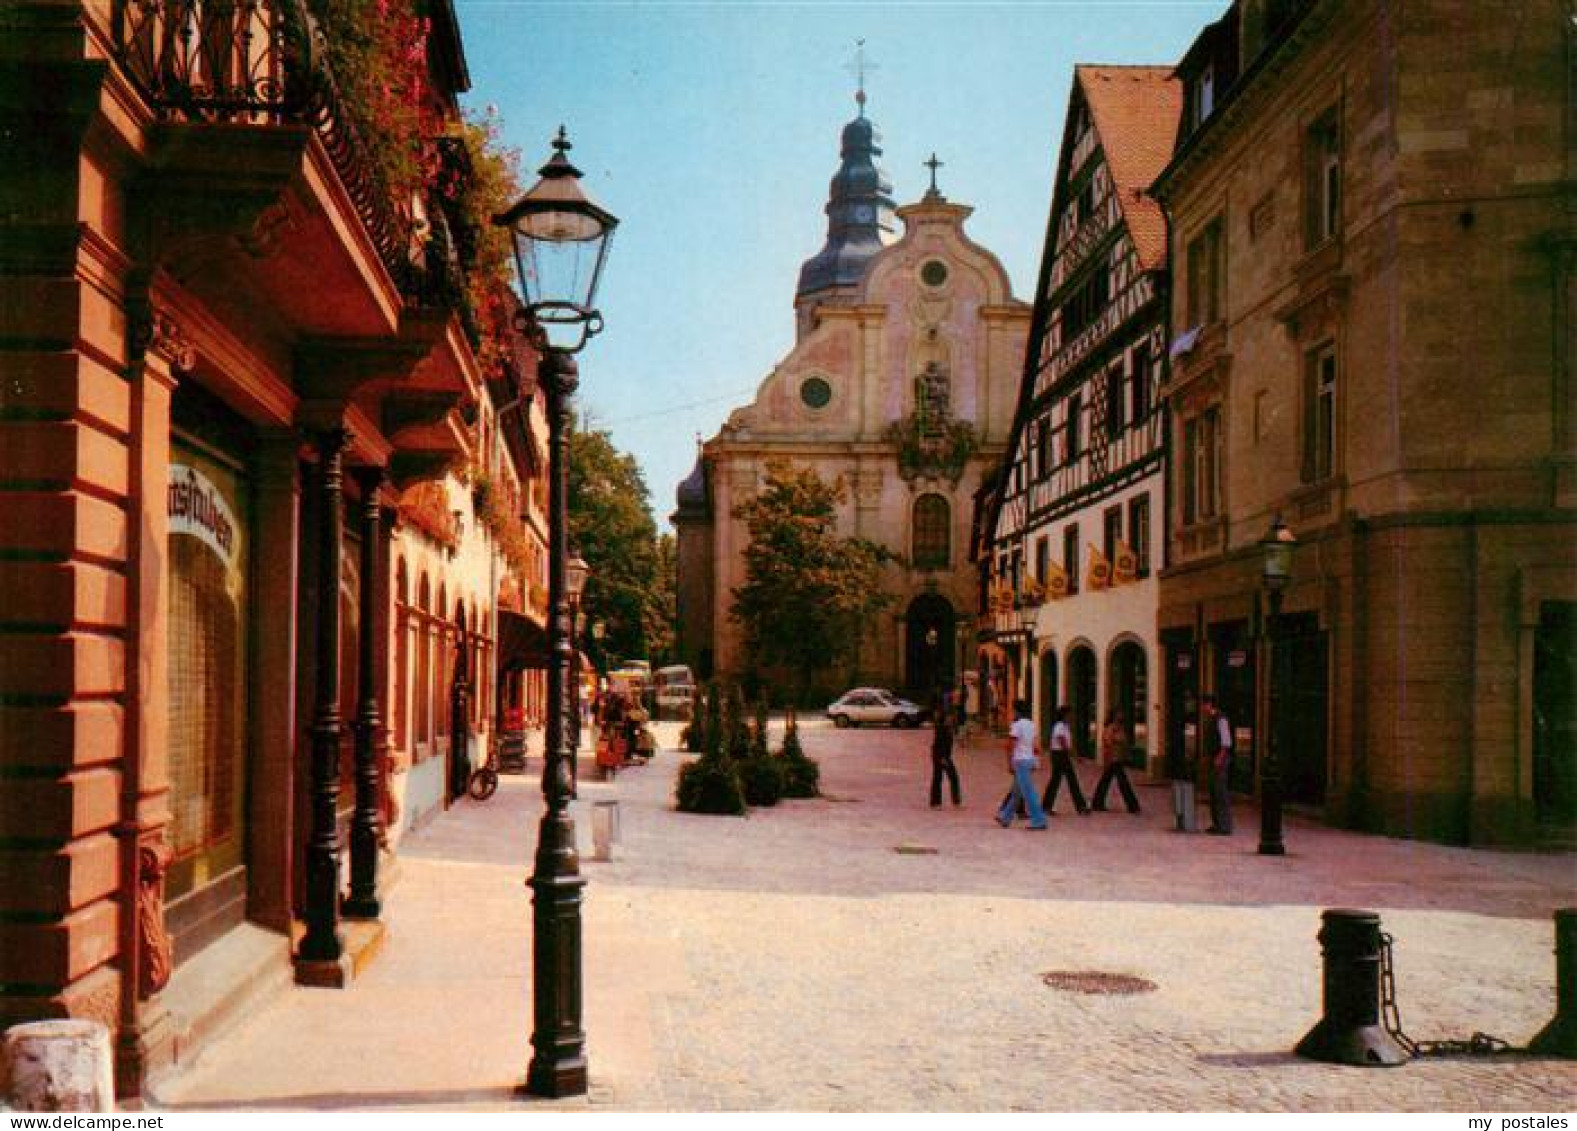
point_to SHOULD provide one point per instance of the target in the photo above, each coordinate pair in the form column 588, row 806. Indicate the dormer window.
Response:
column 1204, row 94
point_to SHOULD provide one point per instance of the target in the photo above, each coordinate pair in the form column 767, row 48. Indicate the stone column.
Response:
column 276, row 521
column 366, row 825
column 321, row 958
column 146, row 949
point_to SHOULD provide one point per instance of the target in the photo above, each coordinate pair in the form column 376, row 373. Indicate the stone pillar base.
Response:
column 61, row 1065
column 363, row 941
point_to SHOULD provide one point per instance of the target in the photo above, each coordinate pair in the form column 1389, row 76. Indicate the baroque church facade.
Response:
column 901, row 384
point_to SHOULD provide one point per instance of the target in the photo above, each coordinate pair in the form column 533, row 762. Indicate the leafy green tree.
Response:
column 611, row 524
column 662, row 612
column 810, row 594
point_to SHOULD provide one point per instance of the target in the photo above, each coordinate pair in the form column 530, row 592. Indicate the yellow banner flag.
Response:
column 1056, row 581
column 1099, row 575
column 1126, row 567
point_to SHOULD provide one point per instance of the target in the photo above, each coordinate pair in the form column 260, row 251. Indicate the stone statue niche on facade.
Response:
column 931, row 442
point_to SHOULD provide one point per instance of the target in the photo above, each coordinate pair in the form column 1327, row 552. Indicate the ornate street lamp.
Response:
column 561, row 243
column 1027, row 615
column 1276, row 550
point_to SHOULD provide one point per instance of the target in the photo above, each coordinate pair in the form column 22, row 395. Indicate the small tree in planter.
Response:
column 736, row 729
column 711, row 783
column 758, row 733
column 761, row 778
column 801, row 774
column 760, row 774
column 702, row 719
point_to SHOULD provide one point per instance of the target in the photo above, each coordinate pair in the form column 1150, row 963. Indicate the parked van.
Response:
column 675, row 691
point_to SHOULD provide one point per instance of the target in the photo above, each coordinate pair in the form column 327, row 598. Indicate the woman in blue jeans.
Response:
column 1023, row 758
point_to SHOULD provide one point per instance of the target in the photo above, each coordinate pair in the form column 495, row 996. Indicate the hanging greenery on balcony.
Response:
column 377, row 52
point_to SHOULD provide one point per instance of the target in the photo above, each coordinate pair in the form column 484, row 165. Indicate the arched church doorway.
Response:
column 930, row 635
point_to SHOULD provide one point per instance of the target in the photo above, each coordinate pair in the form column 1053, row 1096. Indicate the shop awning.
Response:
column 522, row 642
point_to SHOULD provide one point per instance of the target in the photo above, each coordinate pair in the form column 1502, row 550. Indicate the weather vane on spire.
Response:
column 860, row 66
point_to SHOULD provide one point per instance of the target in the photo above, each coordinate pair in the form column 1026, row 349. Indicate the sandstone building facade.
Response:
column 1371, row 217
column 243, row 424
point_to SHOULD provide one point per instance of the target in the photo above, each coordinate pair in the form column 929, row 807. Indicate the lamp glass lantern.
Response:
column 1276, row 556
column 561, row 239
column 575, row 573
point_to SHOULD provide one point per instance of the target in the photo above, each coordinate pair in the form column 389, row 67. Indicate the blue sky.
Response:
column 711, row 130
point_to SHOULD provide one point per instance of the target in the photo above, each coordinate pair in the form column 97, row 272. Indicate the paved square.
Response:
column 864, row 952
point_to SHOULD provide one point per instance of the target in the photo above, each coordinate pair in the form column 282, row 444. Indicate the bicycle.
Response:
column 483, row 782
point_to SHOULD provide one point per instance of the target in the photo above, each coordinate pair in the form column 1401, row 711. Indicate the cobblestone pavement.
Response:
column 863, row 952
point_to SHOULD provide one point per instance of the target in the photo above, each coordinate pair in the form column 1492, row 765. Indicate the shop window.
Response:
column 206, row 669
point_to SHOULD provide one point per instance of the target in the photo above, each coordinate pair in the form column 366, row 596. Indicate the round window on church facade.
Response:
column 815, row 392
column 933, row 273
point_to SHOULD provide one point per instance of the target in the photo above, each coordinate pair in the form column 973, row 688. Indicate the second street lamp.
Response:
column 1275, row 574
column 561, row 243
column 576, row 573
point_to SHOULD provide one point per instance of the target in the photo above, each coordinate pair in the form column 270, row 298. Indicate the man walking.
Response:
column 1218, row 760
column 1023, row 757
column 1062, row 767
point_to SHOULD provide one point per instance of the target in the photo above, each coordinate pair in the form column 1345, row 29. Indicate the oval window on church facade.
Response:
column 815, row 392
column 933, row 273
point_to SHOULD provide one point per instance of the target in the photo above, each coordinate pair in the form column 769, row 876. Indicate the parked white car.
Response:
column 874, row 705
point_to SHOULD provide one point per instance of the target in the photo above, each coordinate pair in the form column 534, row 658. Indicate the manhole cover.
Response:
column 1096, row 982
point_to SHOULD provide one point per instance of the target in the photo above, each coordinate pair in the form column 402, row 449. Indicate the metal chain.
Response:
column 1479, row 1044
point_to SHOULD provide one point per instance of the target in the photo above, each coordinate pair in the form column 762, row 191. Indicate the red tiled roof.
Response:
column 1135, row 110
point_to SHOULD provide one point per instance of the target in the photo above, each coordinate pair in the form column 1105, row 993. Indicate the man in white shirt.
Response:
column 1023, row 758
column 1062, row 767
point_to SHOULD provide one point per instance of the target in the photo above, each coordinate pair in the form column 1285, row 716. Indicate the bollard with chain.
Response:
column 1559, row 1037
column 1350, row 1031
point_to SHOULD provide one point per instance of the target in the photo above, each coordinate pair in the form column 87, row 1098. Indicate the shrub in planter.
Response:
column 801, row 774
column 702, row 720
column 710, row 785
column 758, row 732
column 761, row 779
column 736, row 728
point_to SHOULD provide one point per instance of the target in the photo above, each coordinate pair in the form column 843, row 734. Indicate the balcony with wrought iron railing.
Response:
column 263, row 63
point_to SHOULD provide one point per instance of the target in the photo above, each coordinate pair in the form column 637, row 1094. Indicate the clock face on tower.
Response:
column 864, row 213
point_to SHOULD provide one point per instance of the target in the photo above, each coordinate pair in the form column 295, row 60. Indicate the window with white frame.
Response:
column 1319, row 414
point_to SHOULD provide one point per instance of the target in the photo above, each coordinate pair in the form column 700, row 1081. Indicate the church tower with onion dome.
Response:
column 900, row 384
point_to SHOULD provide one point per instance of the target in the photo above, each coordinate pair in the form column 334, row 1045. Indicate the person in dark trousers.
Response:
column 1218, row 761
column 1114, row 758
column 942, row 760
column 1062, row 767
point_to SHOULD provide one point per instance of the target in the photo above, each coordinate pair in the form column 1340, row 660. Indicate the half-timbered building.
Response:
column 1073, row 520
